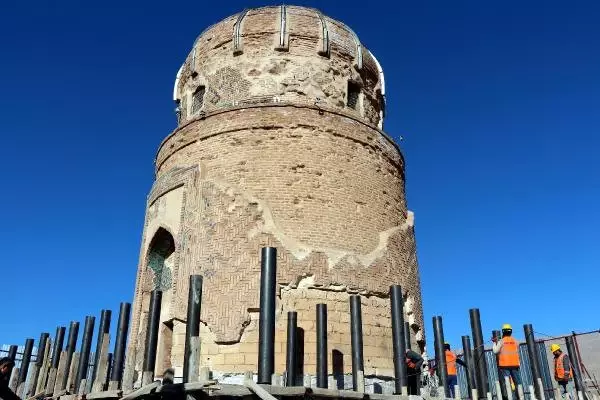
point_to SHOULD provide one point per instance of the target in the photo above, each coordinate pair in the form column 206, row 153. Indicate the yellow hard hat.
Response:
column 506, row 326
column 554, row 348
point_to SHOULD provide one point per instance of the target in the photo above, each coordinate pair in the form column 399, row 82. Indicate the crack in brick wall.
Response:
column 276, row 158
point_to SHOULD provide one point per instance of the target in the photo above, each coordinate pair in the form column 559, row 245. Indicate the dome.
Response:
column 280, row 54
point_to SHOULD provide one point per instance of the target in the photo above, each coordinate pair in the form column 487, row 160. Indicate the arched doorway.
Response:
column 160, row 259
column 160, row 255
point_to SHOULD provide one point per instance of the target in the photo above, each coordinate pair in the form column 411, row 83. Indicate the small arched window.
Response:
column 178, row 111
column 198, row 100
column 353, row 95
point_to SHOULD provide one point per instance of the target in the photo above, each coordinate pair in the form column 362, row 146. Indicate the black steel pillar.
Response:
column 25, row 360
column 533, row 360
column 39, row 358
column 72, row 340
column 70, row 349
column 356, row 337
column 109, row 367
column 468, row 359
column 398, row 339
column 479, row 364
column 152, row 332
column 12, row 352
column 407, row 343
column 103, row 328
column 574, row 359
column 440, row 354
column 322, row 372
column 84, row 353
column 116, row 373
column 192, row 329
column 58, row 345
column 292, row 348
column 266, row 323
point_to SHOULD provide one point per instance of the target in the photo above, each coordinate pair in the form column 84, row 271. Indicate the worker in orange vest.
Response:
column 507, row 349
column 563, row 372
column 451, row 361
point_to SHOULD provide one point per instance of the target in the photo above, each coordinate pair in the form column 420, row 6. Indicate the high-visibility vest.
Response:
column 559, row 368
column 450, row 362
column 509, row 353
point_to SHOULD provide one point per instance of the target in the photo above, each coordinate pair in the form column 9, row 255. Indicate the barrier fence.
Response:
column 53, row 370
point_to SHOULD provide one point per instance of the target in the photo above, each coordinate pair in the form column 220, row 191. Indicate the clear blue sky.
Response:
column 498, row 104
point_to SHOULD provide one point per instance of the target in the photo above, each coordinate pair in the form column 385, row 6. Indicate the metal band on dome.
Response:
column 236, row 31
column 282, row 26
column 382, row 88
column 325, row 32
column 359, row 55
column 177, row 78
column 193, row 61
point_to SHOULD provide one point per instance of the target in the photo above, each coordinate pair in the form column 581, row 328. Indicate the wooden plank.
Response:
column 36, row 396
column 20, row 389
column 277, row 379
column 194, row 366
column 360, row 377
column 43, row 375
column 144, row 390
column 229, row 390
column 33, row 373
column 379, row 396
column 82, row 387
column 102, row 369
column 72, row 373
column 204, row 374
column 108, row 394
column 345, row 394
column 306, row 380
column 59, row 393
column 258, row 390
column 51, row 382
column 60, row 372
column 331, row 382
column 128, row 373
column 185, row 387
column 147, row 378
column 14, row 379
column 276, row 390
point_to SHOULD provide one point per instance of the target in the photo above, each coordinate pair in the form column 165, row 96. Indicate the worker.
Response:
column 563, row 372
column 507, row 349
column 6, row 366
column 451, row 361
column 414, row 364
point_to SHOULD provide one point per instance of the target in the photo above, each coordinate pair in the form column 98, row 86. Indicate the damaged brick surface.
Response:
column 275, row 158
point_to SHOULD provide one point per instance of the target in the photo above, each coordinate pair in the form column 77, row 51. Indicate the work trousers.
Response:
column 515, row 374
column 452, row 381
column 413, row 379
column 564, row 390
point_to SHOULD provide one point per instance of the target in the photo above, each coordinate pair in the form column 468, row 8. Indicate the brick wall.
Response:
column 316, row 179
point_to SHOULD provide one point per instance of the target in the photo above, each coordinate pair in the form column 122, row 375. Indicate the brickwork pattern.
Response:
column 262, row 70
column 274, row 158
